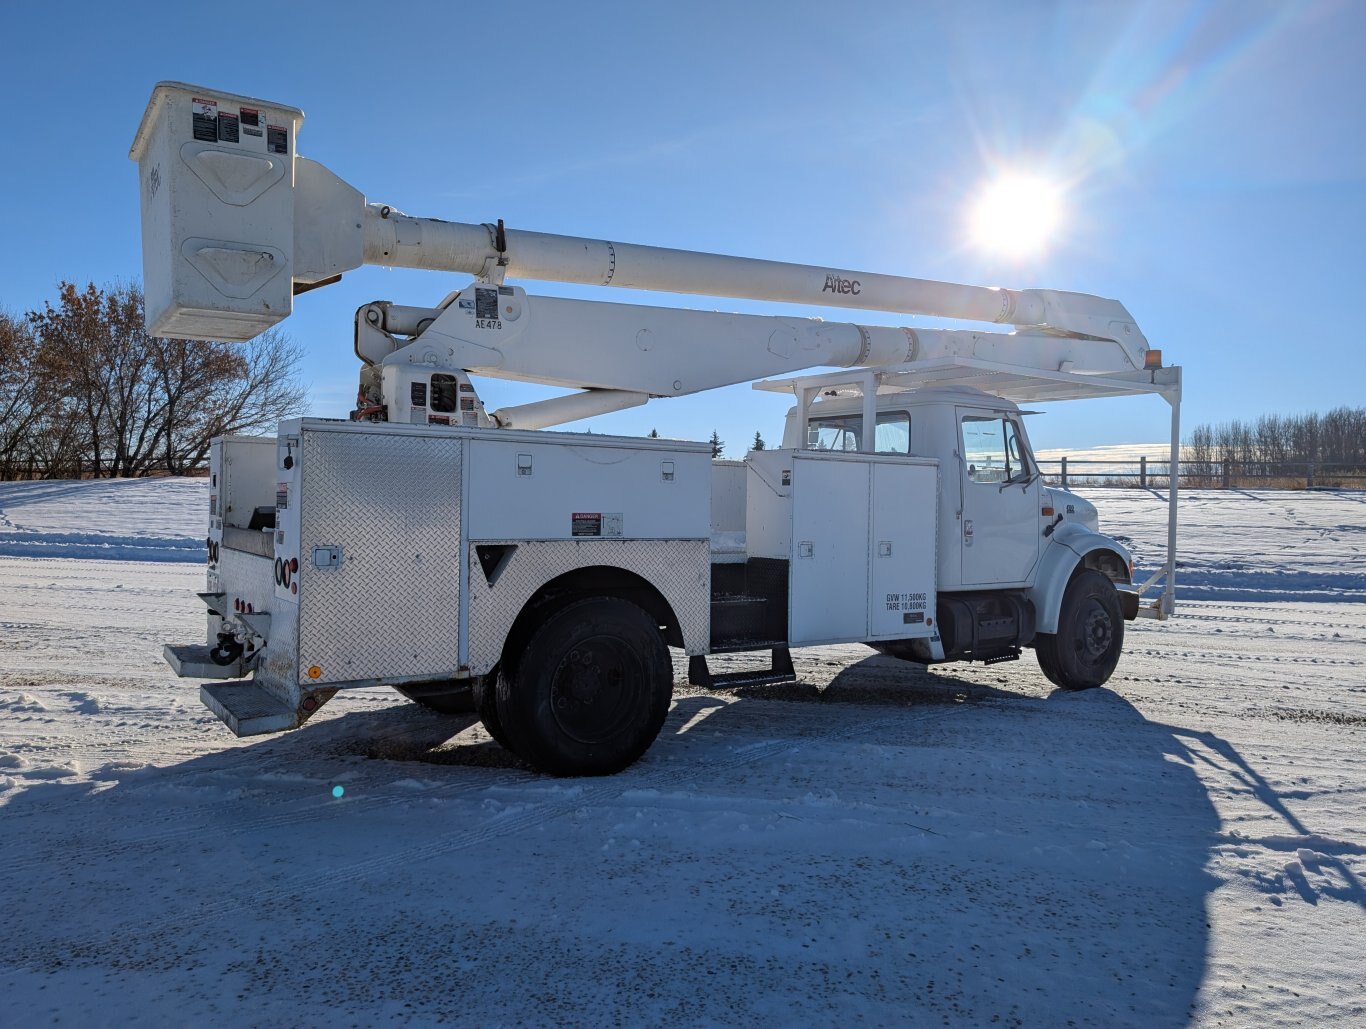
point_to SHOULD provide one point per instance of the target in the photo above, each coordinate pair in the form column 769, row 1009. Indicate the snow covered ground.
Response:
column 110, row 519
column 876, row 843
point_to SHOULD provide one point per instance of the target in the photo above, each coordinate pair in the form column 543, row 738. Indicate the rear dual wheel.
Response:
column 589, row 692
column 1086, row 648
column 486, row 707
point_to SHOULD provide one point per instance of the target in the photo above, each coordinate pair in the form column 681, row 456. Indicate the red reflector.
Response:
column 293, row 564
column 1047, row 512
column 294, row 588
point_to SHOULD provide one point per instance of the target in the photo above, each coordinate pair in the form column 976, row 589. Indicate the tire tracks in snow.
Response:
column 601, row 790
column 1270, row 659
column 316, row 876
column 1305, row 623
column 289, row 813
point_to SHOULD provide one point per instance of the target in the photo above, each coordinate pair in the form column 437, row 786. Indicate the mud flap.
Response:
column 1128, row 603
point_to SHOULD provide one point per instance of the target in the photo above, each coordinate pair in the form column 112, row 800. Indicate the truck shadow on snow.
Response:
column 898, row 843
column 1081, row 852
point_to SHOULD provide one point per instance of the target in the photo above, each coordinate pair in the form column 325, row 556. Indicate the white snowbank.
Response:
column 105, row 519
column 1246, row 544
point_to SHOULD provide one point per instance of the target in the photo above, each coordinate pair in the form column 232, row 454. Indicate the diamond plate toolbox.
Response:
column 383, row 511
column 679, row 569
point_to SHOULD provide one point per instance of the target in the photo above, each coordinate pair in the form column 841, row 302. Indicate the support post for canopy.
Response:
column 1167, row 604
column 868, row 384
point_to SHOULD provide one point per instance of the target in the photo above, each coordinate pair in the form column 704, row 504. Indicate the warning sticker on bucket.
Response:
column 205, row 119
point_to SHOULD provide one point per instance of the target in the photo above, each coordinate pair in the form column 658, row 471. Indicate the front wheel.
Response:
column 591, row 689
column 1085, row 650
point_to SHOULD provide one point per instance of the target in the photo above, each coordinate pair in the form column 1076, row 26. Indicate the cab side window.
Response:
column 845, row 432
column 993, row 450
column 893, row 434
column 834, row 433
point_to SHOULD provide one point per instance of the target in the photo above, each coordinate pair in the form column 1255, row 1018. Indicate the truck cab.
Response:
column 1009, row 549
column 990, row 506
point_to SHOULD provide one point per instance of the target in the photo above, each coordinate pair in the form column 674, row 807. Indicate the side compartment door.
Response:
column 828, row 597
column 1000, row 527
column 902, row 555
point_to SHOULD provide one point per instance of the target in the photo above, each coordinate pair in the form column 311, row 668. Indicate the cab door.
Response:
column 1001, row 489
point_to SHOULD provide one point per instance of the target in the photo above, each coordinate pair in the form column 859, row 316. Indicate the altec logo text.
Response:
column 835, row 284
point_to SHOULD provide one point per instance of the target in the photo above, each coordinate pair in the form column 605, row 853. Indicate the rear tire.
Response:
column 486, row 706
column 1086, row 648
column 590, row 691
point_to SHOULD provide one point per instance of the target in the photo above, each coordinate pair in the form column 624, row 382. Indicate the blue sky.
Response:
column 1213, row 154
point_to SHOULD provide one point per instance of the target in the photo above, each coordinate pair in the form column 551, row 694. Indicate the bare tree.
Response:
column 93, row 345
column 142, row 402
column 19, row 408
column 263, row 388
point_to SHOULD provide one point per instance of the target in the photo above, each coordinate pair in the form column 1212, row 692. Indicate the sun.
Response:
column 1016, row 215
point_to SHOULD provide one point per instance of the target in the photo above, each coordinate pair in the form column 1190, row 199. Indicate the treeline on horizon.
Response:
column 86, row 392
column 1274, row 442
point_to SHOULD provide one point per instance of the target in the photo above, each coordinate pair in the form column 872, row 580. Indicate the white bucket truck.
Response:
column 469, row 560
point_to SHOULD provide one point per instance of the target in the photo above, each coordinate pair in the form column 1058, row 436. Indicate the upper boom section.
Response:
column 235, row 223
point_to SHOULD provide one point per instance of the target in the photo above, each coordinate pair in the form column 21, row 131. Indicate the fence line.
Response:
column 1145, row 472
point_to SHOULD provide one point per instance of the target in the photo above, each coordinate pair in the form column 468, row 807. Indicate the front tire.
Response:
column 591, row 689
column 1086, row 648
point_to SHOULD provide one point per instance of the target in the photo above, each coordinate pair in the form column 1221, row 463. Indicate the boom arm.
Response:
column 235, row 224
column 625, row 353
column 493, row 253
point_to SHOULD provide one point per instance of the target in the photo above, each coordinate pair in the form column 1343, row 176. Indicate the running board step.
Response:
column 246, row 708
column 1013, row 654
column 781, row 671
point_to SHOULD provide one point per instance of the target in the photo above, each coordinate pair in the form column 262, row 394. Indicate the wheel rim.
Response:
column 592, row 688
column 1096, row 633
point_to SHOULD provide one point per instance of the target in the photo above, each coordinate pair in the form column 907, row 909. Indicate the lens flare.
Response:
column 1016, row 215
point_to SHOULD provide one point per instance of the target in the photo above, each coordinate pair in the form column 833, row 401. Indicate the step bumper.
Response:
column 248, row 709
